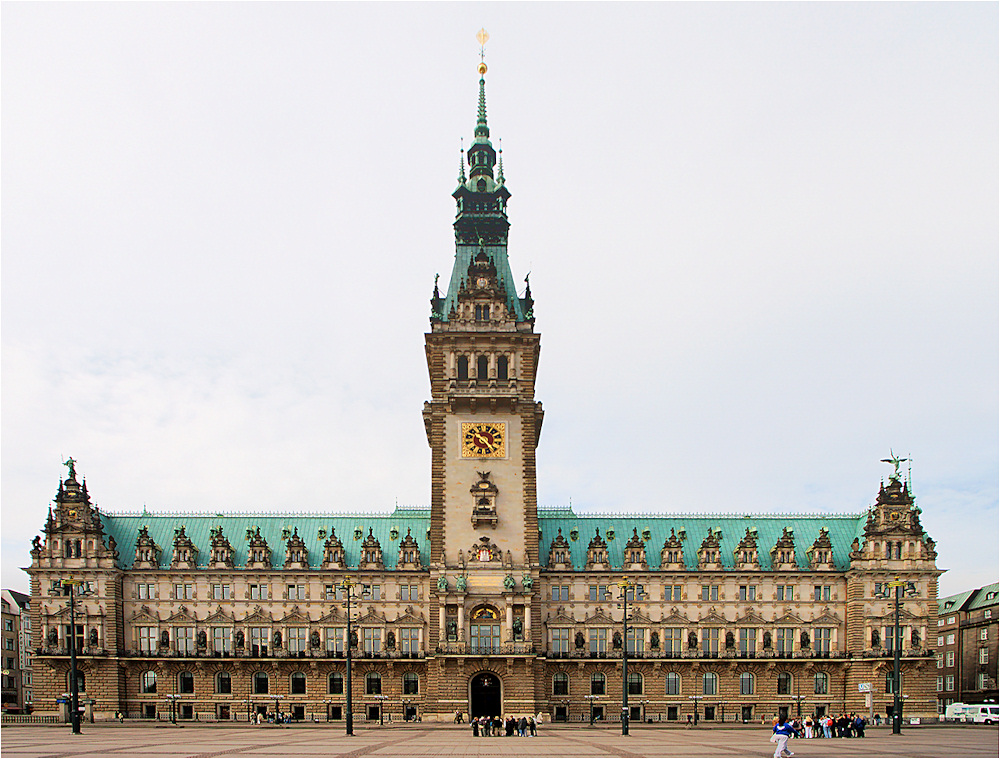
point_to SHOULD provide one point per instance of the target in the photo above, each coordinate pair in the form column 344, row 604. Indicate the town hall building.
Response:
column 483, row 603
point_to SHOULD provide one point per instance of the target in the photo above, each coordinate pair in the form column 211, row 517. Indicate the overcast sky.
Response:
column 763, row 245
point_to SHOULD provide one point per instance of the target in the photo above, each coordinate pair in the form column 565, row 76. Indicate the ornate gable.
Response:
column 296, row 553
column 371, row 617
column 295, row 617
column 333, row 552
column 371, row 553
column 559, row 552
column 745, row 555
column 220, row 615
column 597, row 552
column 143, row 614
column 675, row 618
column 335, row 617
column 181, row 615
column 185, row 553
column 713, row 618
column 638, row 618
column 147, row 553
column 783, row 553
column 709, row 555
column 634, row 556
column 222, row 550
column 821, row 553
column 828, row 618
column 258, row 617
column 409, row 618
column 258, row 551
column 672, row 553
column 409, row 553
column 560, row 618
column 600, row 618
column 788, row 619
column 751, row 617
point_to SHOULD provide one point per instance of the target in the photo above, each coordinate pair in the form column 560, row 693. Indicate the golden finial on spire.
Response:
column 482, row 36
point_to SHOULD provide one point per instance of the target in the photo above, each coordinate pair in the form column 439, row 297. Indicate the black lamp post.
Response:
column 624, row 586
column 883, row 591
column 351, row 592
column 74, row 687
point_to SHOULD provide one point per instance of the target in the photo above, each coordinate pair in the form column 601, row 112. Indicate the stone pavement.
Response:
column 107, row 740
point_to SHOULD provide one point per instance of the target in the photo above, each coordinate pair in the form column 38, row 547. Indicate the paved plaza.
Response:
column 165, row 740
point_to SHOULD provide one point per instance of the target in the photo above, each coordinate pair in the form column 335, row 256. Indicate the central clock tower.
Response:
column 482, row 420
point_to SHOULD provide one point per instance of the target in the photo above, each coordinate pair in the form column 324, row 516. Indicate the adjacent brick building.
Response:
column 18, row 692
column 966, row 650
column 483, row 602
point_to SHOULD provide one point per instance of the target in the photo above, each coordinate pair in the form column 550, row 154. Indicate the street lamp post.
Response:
column 695, row 699
column 624, row 585
column 351, row 592
column 883, row 591
column 74, row 688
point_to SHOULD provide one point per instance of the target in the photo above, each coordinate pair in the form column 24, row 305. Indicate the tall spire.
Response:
column 500, row 162
column 482, row 130
column 461, row 162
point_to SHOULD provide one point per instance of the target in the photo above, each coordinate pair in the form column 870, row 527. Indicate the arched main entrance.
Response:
column 485, row 695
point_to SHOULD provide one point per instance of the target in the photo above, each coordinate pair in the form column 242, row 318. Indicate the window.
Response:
column 8, row 625
column 951, row 620
column 940, row 682
column 184, row 640
column 709, row 592
column 296, row 639
column 298, row 683
column 710, row 640
column 889, row 681
column 821, row 683
column 260, row 683
column 409, row 592
column 147, row 639
column 560, row 684
column 748, row 592
column 821, row 593
column 671, row 592
column 373, row 684
column 483, row 362
column 335, row 640
column 821, row 640
column 223, row 683
column 784, row 684
column 372, row 640
column 949, row 684
column 463, row 367
column 673, row 680
column 634, row 684
column 560, row 593
column 259, row 640
column 258, row 592
column 889, row 636
column 185, row 682
column 335, row 684
column 373, row 592
column 940, row 624
column 786, row 638
column 748, row 640
column 295, row 592
column 409, row 640
column 222, row 639
column 598, row 593
column 785, row 593
column 984, row 656
column 988, row 614
column 632, row 593
column 940, row 640
column 746, row 684
column 411, row 684
column 502, row 372
column 982, row 681
column 672, row 638
column 984, row 633
column 146, row 590
column 183, row 591
column 560, row 641
column 950, row 640
column 709, row 684
column 939, row 660
column 221, row 592
column 597, row 684
column 147, row 682
column 949, row 659
column 635, row 640
column 599, row 640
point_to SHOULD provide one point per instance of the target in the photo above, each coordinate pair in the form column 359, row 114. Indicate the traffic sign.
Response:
column 864, row 687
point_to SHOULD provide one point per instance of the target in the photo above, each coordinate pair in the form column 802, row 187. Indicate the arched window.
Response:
column 463, row 367
column 373, row 684
column 673, row 684
column 634, row 684
column 185, row 682
column 502, row 368
column 223, row 682
column 709, row 684
column 560, row 684
column 260, row 683
column 411, row 684
column 335, row 683
column 482, row 367
column 298, row 683
column 821, row 683
column 597, row 684
column 784, row 683
column 81, row 681
column 147, row 682
column 746, row 683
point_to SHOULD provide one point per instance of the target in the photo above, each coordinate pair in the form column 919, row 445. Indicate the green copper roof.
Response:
column 459, row 271
column 842, row 529
column 953, row 603
column 983, row 598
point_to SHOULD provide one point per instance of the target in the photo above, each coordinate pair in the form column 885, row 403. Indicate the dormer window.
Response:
column 502, row 368
column 482, row 312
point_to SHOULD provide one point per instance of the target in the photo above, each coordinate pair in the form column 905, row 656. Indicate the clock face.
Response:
column 484, row 440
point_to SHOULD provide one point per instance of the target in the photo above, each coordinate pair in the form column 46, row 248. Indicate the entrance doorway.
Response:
column 783, row 713
column 746, row 713
column 484, row 695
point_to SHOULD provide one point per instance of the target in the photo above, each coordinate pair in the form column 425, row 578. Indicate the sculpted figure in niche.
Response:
column 767, row 639
column 390, row 640
column 94, row 639
column 579, row 641
column 164, row 639
column 276, row 639
column 452, row 629
column 202, row 639
column 240, row 639
column 876, row 639
column 314, row 639
column 804, row 639
column 616, row 640
column 654, row 641
column 518, row 628
column 730, row 640
column 53, row 636
column 915, row 638
column 692, row 640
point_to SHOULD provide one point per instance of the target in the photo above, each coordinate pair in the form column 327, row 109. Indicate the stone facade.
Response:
column 966, row 647
column 483, row 602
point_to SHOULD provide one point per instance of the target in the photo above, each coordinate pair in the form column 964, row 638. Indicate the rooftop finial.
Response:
column 500, row 165
column 482, row 37
column 461, row 160
column 481, row 128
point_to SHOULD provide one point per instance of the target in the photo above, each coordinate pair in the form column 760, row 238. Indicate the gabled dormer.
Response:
column 371, row 553
column 745, row 554
column 296, row 553
column 783, row 553
column 672, row 553
column 147, row 553
column 710, row 555
column 74, row 533
column 559, row 556
column 258, row 551
column 484, row 501
column 409, row 553
column 597, row 552
column 222, row 550
column 185, row 553
column 333, row 552
column 821, row 553
column 634, row 554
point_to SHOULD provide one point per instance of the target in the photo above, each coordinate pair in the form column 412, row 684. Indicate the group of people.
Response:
column 486, row 727
column 845, row 726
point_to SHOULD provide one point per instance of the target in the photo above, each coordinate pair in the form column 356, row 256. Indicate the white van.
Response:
column 987, row 715
column 959, row 712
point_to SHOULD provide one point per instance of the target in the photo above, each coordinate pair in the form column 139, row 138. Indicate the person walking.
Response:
column 780, row 735
column 531, row 726
column 522, row 725
column 809, row 726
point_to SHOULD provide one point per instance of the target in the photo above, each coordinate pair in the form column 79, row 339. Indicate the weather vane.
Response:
column 895, row 461
column 483, row 37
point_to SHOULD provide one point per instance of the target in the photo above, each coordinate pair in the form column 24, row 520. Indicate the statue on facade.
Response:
column 616, row 640
column 390, row 640
column 240, row 639
column 461, row 583
column 915, row 638
column 202, row 639
column 53, row 636
column 442, row 583
column 654, row 640
column 692, row 640
column 509, row 582
column 71, row 463
column 36, row 544
column 314, row 639
column 767, row 639
column 518, row 628
column 804, row 639
column 452, row 629
column 94, row 638
column 276, row 639
column 527, row 581
column 730, row 640
column 164, row 639
column 876, row 639
column 579, row 641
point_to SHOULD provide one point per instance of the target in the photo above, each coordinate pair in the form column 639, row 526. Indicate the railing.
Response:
column 30, row 719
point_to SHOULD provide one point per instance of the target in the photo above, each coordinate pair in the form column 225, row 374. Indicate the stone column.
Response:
column 442, row 633
column 509, row 633
column 527, row 619
column 461, row 621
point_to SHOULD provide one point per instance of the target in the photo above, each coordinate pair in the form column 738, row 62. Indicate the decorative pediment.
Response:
column 220, row 615
column 409, row 618
column 295, row 617
column 890, row 615
column 597, row 551
column 783, row 553
column 409, row 553
column 371, row 553
column 143, row 614
column 751, row 617
column 828, row 618
column 713, row 618
column 675, row 618
column 600, row 618
column 745, row 554
column 335, row 617
column 559, row 551
column 634, row 554
column 560, row 618
column 788, row 620
column 296, row 553
column 258, row 616
column 638, row 618
column 182, row 615
column 484, row 501
column 372, row 617
column 333, row 552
